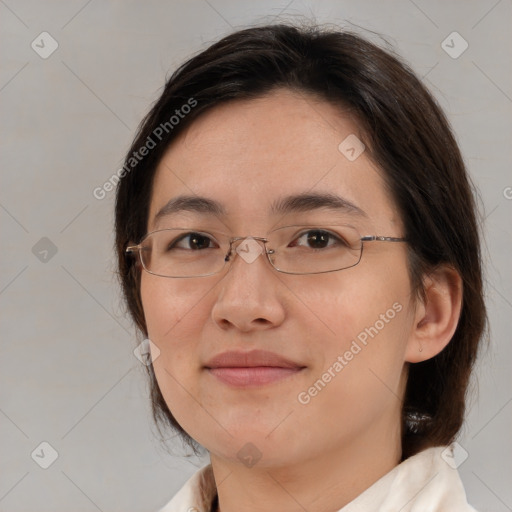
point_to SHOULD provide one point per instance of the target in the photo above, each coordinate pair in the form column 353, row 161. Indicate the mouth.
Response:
column 250, row 369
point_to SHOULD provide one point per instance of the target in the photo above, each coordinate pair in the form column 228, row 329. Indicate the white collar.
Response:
column 424, row 482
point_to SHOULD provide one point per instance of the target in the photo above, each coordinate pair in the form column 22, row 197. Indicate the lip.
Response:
column 253, row 368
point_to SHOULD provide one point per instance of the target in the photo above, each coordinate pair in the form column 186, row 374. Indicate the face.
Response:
column 343, row 335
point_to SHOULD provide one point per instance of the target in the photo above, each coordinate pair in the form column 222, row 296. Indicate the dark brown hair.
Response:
column 407, row 136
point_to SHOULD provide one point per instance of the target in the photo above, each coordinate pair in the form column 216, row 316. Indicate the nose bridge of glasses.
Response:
column 247, row 247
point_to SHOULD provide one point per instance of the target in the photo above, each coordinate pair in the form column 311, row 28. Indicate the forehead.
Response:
column 249, row 154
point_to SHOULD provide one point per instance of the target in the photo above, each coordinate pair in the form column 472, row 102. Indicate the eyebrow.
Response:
column 303, row 202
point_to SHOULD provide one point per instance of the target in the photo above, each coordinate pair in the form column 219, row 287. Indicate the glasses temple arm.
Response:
column 377, row 238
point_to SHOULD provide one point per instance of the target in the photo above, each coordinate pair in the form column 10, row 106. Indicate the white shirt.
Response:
column 425, row 482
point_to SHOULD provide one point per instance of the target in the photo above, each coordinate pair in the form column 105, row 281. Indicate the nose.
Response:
column 250, row 295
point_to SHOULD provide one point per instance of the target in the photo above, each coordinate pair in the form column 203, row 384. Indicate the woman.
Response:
column 296, row 236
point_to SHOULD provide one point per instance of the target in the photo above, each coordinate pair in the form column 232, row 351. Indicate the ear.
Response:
column 437, row 316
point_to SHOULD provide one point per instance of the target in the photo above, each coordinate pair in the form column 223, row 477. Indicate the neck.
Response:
column 321, row 484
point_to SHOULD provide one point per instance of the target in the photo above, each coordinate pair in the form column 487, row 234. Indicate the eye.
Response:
column 318, row 239
column 192, row 241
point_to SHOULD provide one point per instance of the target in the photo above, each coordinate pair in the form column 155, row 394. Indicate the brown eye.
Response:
column 318, row 239
column 192, row 241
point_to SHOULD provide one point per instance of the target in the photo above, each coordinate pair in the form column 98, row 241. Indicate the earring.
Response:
column 421, row 348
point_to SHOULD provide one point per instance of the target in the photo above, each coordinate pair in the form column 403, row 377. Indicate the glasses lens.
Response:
column 315, row 249
column 297, row 249
column 182, row 253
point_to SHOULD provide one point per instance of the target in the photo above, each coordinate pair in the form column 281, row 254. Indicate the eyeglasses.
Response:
column 298, row 249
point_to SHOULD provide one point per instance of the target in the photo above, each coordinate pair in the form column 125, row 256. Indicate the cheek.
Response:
column 365, row 316
column 360, row 376
column 174, row 314
column 174, row 317
column 169, row 305
column 362, row 301
column 372, row 326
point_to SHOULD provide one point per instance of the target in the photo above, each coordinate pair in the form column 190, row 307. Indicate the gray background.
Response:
column 68, row 374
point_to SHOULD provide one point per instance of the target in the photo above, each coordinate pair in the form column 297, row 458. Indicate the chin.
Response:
column 253, row 446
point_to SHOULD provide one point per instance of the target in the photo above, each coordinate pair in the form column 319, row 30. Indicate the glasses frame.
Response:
column 131, row 249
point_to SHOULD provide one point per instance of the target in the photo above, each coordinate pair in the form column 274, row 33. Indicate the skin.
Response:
column 322, row 454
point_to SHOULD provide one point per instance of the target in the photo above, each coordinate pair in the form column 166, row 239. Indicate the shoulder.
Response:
column 428, row 481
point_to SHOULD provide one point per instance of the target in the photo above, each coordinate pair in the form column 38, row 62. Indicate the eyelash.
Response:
column 321, row 231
